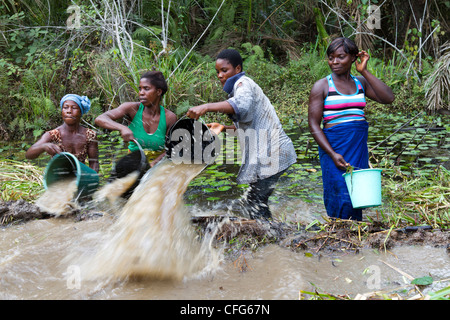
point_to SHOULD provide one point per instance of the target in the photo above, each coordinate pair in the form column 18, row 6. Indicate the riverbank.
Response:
column 252, row 246
column 330, row 236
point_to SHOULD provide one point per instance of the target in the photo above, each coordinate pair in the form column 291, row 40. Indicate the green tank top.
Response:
column 154, row 141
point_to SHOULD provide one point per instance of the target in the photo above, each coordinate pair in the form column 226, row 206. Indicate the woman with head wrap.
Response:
column 70, row 136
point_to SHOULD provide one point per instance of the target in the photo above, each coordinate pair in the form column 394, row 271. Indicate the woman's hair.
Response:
column 156, row 78
column 233, row 57
column 349, row 46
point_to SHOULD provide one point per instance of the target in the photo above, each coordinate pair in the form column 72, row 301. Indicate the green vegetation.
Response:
column 423, row 199
column 99, row 48
column 20, row 180
column 442, row 294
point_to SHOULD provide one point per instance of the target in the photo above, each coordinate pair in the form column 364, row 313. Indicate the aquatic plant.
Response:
column 20, row 180
column 317, row 294
column 418, row 200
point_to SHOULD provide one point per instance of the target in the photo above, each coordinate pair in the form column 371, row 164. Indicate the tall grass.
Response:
column 191, row 83
column 20, row 180
column 419, row 200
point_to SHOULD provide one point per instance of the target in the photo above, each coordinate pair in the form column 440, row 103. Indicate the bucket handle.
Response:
column 74, row 165
column 139, row 146
column 143, row 156
column 199, row 119
column 350, row 170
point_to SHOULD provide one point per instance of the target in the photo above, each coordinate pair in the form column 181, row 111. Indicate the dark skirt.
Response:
column 349, row 140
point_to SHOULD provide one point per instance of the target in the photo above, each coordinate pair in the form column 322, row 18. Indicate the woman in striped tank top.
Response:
column 337, row 102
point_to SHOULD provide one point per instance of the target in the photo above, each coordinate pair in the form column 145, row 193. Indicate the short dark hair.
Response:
column 349, row 46
column 156, row 78
column 233, row 57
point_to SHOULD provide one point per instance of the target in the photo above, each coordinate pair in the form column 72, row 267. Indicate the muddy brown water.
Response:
column 37, row 262
column 33, row 266
column 146, row 249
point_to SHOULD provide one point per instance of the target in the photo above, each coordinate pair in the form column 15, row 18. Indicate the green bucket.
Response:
column 364, row 187
column 65, row 165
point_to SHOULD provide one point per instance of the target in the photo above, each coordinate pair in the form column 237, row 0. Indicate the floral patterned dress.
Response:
column 91, row 136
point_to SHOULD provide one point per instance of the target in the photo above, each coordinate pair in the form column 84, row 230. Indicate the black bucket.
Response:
column 134, row 161
column 190, row 141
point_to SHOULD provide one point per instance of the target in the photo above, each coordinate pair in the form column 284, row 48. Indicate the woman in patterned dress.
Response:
column 70, row 136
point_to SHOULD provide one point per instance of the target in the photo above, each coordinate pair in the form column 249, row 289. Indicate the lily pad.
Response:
column 423, row 281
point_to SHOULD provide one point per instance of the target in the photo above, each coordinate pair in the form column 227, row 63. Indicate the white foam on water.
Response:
column 112, row 191
column 58, row 199
column 153, row 236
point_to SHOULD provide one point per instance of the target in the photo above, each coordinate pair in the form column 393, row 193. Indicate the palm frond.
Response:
column 437, row 84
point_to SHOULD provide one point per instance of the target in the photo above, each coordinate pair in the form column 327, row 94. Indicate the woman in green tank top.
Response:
column 150, row 122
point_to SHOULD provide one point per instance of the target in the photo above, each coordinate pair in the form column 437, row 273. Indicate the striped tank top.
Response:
column 339, row 108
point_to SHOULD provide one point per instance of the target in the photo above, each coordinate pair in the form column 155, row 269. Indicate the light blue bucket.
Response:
column 364, row 187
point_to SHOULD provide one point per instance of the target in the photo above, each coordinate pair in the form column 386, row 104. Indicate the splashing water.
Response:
column 112, row 191
column 58, row 199
column 153, row 236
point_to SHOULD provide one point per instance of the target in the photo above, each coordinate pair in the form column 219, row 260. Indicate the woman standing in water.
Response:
column 337, row 101
column 266, row 149
column 150, row 121
column 70, row 136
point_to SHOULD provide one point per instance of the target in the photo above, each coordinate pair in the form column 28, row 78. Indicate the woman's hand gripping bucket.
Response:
column 132, row 162
column 65, row 165
column 364, row 187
